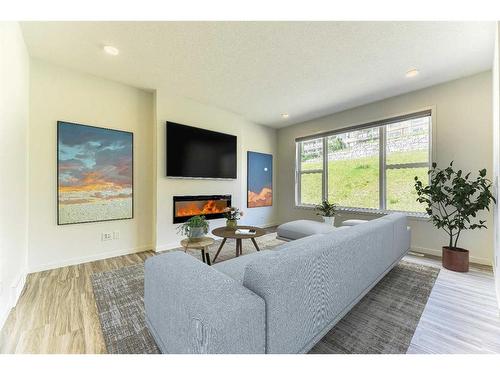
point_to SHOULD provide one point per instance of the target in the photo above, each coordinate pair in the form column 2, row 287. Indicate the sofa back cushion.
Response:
column 308, row 282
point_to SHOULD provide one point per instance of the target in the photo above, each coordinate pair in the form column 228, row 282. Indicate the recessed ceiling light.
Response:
column 412, row 73
column 285, row 115
column 110, row 50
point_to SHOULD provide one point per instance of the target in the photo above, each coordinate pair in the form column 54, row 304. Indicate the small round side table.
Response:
column 226, row 233
column 202, row 244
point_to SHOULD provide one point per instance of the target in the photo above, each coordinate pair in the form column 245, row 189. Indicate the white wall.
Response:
column 463, row 121
column 60, row 94
column 14, row 115
column 496, row 157
column 251, row 137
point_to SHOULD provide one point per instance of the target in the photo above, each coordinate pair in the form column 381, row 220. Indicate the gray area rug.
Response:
column 384, row 321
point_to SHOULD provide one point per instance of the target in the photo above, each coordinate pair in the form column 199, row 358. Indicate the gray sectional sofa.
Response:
column 278, row 301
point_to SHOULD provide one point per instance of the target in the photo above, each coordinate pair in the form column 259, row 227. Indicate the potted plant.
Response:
column 232, row 215
column 327, row 211
column 453, row 201
column 195, row 227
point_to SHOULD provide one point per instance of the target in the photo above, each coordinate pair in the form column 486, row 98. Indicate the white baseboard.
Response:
column 89, row 258
column 438, row 253
column 14, row 293
column 4, row 313
column 17, row 289
column 166, row 247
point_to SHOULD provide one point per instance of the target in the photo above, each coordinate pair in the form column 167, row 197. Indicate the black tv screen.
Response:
column 199, row 153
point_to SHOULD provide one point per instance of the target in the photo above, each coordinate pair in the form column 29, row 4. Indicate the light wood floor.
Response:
column 56, row 312
column 461, row 315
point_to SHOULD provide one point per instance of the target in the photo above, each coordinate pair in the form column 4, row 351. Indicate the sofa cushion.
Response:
column 235, row 268
column 294, row 230
column 353, row 222
column 307, row 288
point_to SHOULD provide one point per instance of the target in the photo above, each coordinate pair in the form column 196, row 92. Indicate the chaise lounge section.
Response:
column 294, row 230
column 279, row 301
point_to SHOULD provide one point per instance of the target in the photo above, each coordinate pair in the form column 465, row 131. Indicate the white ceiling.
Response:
column 262, row 69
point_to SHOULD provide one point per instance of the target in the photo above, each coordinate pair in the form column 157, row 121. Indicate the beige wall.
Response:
column 251, row 137
column 61, row 94
column 463, row 123
column 14, row 115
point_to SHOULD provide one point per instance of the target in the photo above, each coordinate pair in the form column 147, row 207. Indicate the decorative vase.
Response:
column 328, row 219
column 231, row 223
column 196, row 232
column 456, row 259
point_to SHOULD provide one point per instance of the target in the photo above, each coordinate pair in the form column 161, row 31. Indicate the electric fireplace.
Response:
column 210, row 206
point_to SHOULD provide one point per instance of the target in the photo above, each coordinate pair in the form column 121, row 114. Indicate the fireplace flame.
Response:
column 200, row 208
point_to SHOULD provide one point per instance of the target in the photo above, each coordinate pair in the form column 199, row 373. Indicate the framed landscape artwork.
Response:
column 259, row 179
column 94, row 174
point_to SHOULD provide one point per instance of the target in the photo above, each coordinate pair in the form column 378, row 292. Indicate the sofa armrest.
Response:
column 193, row 308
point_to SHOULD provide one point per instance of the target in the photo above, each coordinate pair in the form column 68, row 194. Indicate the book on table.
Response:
column 245, row 231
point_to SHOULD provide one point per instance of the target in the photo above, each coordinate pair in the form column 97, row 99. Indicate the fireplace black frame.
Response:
column 186, row 198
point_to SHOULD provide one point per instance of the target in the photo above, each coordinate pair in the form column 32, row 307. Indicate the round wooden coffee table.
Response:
column 200, row 244
column 226, row 233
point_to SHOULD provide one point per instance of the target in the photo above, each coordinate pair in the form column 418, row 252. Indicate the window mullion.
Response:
column 382, row 168
column 325, row 168
column 298, row 174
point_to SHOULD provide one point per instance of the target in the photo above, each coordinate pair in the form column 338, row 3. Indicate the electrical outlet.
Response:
column 116, row 235
column 106, row 236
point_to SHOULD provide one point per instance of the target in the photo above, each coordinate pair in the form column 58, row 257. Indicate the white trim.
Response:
column 89, row 258
column 324, row 175
column 14, row 293
column 297, row 173
column 438, row 253
column 382, row 121
column 166, row 247
column 4, row 314
column 17, row 289
column 371, row 211
column 382, row 166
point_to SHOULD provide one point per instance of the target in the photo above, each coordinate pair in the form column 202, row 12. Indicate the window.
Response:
column 353, row 168
column 311, row 167
column 369, row 167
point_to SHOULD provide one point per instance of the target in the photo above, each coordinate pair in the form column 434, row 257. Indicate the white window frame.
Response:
column 383, row 166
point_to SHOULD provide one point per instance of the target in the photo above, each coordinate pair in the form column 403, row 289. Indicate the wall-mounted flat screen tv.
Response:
column 199, row 153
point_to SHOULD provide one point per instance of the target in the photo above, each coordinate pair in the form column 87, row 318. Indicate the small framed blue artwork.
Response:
column 259, row 179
